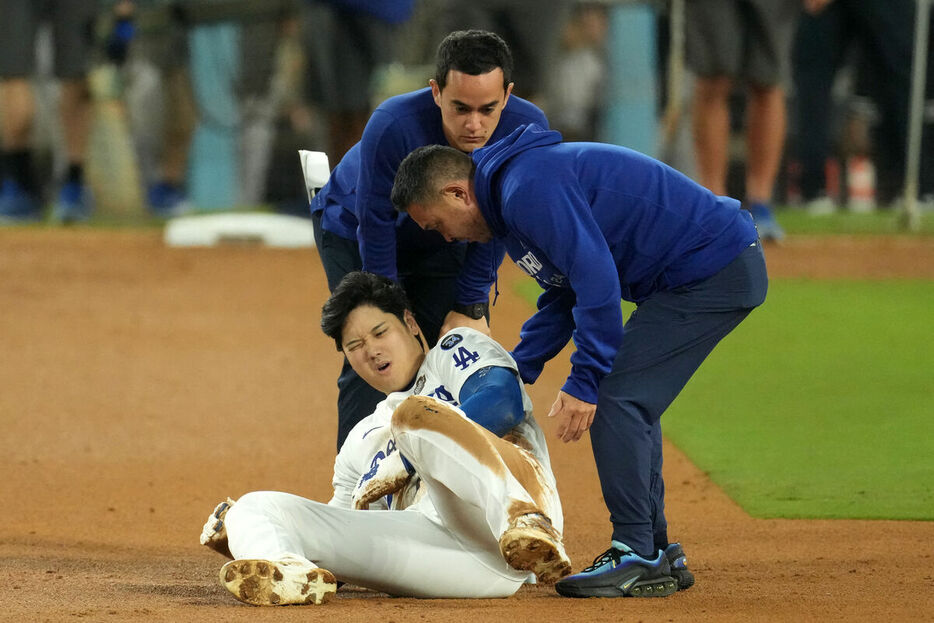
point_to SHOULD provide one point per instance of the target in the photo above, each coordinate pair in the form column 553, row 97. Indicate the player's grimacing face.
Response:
column 471, row 107
column 381, row 349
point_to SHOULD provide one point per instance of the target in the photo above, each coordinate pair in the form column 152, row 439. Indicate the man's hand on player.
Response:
column 454, row 320
column 574, row 416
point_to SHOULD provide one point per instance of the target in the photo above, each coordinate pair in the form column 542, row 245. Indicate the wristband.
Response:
column 475, row 311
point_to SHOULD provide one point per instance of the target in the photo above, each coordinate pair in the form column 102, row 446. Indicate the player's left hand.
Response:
column 389, row 477
column 454, row 320
column 574, row 416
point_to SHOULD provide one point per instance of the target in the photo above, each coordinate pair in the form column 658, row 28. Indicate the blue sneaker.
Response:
column 620, row 572
column 768, row 227
column 17, row 205
column 73, row 205
column 679, row 566
column 166, row 200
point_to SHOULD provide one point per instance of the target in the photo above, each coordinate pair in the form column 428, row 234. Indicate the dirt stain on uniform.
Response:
column 422, row 412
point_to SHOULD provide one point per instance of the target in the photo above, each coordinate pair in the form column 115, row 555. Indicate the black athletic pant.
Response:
column 885, row 30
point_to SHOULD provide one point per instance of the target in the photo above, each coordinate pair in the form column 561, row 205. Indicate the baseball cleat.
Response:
column 679, row 566
column 620, row 572
column 277, row 582
column 532, row 544
column 214, row 532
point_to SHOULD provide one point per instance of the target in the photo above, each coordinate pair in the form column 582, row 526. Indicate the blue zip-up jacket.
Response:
column 355, row 203
column 593, row 224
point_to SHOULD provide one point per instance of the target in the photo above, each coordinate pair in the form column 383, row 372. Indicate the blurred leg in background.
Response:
column 163, row 111
column 72, row 24
column 882, row 30
column 344, row 47
column 729, row 41
column 579, row 72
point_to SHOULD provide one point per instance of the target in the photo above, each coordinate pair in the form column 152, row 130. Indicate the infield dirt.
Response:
column 140, row 385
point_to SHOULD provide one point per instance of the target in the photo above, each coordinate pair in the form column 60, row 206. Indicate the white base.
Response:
column 208, row 230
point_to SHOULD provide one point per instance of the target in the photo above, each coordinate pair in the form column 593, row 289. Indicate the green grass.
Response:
column 796, row 221
column 819, row 404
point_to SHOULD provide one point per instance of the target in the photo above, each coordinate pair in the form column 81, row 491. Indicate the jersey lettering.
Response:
column 441, row 393
column 374, row 464
column 464, row 357
column 545, row 275
column 529, row 264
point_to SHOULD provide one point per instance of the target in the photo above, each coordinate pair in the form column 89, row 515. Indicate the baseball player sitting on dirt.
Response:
column 481, row 507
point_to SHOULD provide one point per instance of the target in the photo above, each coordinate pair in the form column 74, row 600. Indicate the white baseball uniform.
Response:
column 439, row 536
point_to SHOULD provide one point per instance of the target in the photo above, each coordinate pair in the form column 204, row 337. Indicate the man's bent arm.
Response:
column 544, row 334
column 376, row 233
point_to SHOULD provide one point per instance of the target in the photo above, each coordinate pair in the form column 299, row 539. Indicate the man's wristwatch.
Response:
column 475, row 311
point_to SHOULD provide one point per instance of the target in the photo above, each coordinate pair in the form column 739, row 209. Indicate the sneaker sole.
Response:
column 656, row 587
column 528, row 550
column 679, row 568
column 684, row 578
column 659, row 587
column 268, row 583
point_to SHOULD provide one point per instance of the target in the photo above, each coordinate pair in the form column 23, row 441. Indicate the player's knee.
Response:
column 247, row 504
column 416, row 412
column 252, row 499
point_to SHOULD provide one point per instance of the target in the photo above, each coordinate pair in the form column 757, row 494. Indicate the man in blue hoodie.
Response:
column 467, row 104
column 593, row 224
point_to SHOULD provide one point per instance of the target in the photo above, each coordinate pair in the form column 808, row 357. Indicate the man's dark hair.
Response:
column 424, row 171
column 361, row 288
column 473, row 52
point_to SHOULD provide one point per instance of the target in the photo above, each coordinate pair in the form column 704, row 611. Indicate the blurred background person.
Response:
column 744, row 43
column 575, row 93
column 345, row 41
column 883, row 30
column 73, row 27
column 531, row 29
column 161, row 105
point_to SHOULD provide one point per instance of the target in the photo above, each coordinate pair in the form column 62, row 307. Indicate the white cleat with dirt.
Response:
column 278, row 582
column 532, row 544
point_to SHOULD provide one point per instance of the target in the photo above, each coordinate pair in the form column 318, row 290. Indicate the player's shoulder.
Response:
column 463, row 335
column 466, row 348
column 400, row 124
column 520, row 111
column 406, row 107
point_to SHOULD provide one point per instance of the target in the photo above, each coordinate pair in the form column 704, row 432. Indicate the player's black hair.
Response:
column 361, row 288
column 424, row 171
column 473, row 52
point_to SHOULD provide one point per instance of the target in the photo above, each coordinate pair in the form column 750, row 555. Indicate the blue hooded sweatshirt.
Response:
column 355, row 203
column 593, row 224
